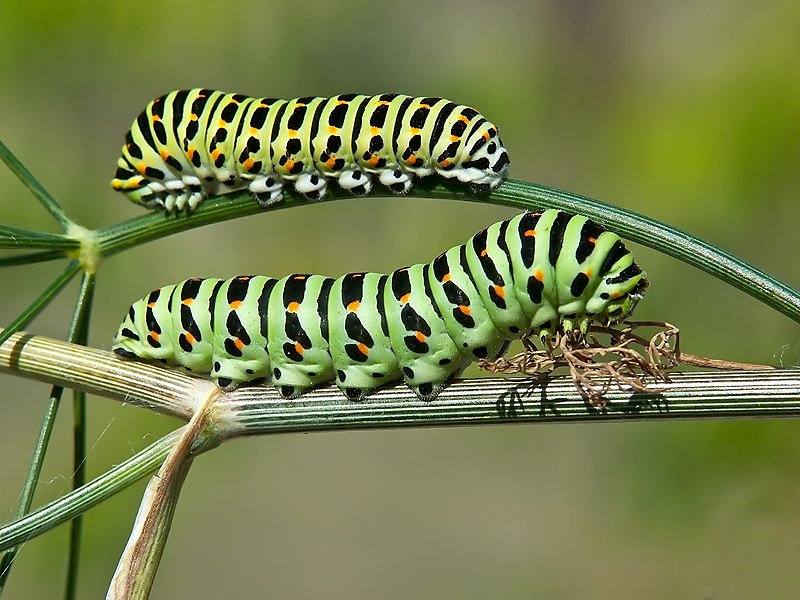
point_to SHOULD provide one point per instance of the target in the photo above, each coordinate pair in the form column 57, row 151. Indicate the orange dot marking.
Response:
column 447, row 277
column 151, row 304
column 592, row 240
column 373, row 160
column 238, row 343
column 420, row 336
column 142, row 168
column 588, row 272
column 190, row 153
column 415, row 130
column 248, row 164
column 538, row 275
column 454, row 138
column 530, row 233
column 154, row 335
column 463, row 119
column 374, row 130
column 193, row 117
column 298, row 348
column 215, row 153
column 222, row 124
column 486, row 135
column 187, row 301
column 299, row 277
column 353, row 306
column 363, row 349
column 293, row 306
column 235, row 304
column 404, row 298
column 292, row 133
column 500, row 291
column 164, row 154
column 445, row 163
column 156, row 118
column 289, row 165
column 333, row 129
column 483, row 252
column 616, row 294
column 464, row 309
column 331, row 162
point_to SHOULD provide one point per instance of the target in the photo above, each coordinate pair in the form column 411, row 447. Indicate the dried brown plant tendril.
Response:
column 608, row 357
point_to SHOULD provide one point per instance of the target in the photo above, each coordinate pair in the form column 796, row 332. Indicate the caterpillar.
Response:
column 537, row 273
column 190, row 144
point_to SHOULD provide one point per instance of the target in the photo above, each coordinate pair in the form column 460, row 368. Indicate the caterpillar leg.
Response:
column 312, row 185
column 356, row 182
column 266, row 190
column 397, row 180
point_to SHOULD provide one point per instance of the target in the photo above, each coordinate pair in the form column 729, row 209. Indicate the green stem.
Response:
column 43, row 300
column 41, row 194
column 519, row 194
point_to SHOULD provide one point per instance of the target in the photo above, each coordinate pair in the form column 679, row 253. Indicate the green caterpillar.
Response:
column 191, row 144
column 536, row 273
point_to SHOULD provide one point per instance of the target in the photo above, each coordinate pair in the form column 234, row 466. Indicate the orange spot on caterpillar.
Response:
column 428, row 106
column 353, row 306
column 330, row 163
column 412, row 160
column 298, row 348
column 486, row 135
column 500, row 291
column 454, row 138
column 588, row 272
column 447, row 277
column 333, row 129
column 187, row 301
column 530, row 233
column 463, row 119
column 356, row 274
column 248, row 164
column 293, row 306
column 190, row 153
column 374, row 130
column 538, row 275
column 464, row 309
column 193, row 117
column 190, row 338
column 238, row 343
column 363, row 349
column 222, row 123
column 445, row 163
column 156, row 118
column 383, row 103
column 592, row 240
column 484, row 252
column 154, row 335
column 405, row 297
column 235, row 304
column 373, row 160
column 415, row 130
column 215, row 153
column 292, row 132
column 142, row 168
column 254, row 131
column 163, row 154
column 299, row 277
column 289, row 165
column 151, row 304
column 616, row 294
column 420, row 336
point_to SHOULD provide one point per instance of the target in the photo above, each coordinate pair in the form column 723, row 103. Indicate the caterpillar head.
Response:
column 619, row 293
column 486, row 162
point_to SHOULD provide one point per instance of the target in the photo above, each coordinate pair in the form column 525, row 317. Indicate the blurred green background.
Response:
column 685, row 111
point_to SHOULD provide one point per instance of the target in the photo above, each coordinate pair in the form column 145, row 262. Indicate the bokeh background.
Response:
column 685, row 111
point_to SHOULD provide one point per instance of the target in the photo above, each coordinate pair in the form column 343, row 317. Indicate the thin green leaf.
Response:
column 41, row 194
column 77, row 334
column 43, row 300
column 69, row 506
column 30, row 258
column 18, row 238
